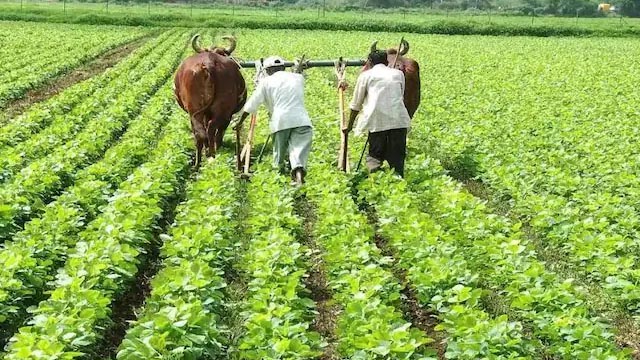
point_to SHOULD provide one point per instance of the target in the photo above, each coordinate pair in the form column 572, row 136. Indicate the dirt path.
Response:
column 419, row 317
column 85, row 71
column 327, row 312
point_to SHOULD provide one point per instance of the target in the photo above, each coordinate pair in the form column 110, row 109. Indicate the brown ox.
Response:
column 210, row 87
column 411, row 71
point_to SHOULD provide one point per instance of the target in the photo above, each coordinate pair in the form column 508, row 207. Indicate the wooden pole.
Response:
column 395, row 60
column 344, row 142
column 238, row 158
column 343, row 158
column 246, row 151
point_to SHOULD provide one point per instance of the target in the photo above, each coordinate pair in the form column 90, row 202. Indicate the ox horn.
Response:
column 195, row 44
column 404, row 47
column 374, row 46
column 232, row 44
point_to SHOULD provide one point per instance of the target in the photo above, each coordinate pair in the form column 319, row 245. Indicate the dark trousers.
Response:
column 389, row 145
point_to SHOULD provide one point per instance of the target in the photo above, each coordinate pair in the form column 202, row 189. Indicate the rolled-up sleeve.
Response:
column 255, row 100
column 359, row 93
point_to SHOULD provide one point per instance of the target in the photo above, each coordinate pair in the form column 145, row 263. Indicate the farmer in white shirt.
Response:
column 379, row 94
column 283, row 94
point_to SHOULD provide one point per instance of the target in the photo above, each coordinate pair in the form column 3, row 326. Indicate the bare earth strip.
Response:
column 327, row 311
column 419, row 317
column 85, row 71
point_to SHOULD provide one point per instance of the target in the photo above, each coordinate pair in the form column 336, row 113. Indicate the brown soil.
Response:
column 85, row 71
column 127, row 307
column 419, row 317
column 412, row 310
column 327, row 312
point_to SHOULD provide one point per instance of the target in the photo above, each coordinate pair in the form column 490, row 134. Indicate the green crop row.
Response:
column 68, row 124
column 277, row 314
column 29, row 191
column 106, row 257
column 368, row 324
column 28, row 262
column 182, row 316
column 553, row 139
column 467, row 251
column 443, row 277
column 23, row 43
column 506, row 263
column 53, row 110
column 46, row 62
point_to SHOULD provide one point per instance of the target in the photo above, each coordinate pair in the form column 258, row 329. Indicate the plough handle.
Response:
column 246, row 151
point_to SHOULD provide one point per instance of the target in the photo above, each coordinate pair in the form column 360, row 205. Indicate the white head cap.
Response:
column 273, row 61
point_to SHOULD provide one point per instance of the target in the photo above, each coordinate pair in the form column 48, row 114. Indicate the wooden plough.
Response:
column 243, row 156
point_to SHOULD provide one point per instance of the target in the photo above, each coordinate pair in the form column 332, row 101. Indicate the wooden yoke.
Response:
column 343, row 153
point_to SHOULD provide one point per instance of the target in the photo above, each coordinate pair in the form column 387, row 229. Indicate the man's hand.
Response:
column 352, row 119
column 239, row 123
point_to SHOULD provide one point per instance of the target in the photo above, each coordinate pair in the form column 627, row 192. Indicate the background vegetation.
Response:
column 320, row 16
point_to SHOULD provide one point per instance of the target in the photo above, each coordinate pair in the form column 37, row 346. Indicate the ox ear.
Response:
column 195, row 44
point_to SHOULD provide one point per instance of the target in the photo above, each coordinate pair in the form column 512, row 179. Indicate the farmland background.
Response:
column 482, row 21
column 514, row 234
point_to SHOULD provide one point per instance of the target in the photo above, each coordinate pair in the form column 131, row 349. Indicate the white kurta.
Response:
column 283, row 95
column 379, row 96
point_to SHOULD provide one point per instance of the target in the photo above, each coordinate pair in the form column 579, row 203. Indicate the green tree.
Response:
column 631, row 8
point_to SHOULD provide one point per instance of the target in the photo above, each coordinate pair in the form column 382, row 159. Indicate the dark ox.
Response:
column 210, row 87
column 411, row 71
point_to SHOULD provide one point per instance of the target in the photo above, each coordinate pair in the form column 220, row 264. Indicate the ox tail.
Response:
column 205, row 86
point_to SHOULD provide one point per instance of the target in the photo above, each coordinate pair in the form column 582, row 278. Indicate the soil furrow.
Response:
column 83, row 72
column 327, row 311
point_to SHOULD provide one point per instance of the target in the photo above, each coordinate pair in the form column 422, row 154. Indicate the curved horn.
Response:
column 195, row 44
column 232, row 44
column 404, row 48
column 373, row 46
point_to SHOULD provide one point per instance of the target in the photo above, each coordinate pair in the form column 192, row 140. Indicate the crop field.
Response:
column 32, row 55
column 513, row 236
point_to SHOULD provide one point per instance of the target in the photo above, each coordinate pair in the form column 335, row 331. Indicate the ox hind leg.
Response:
column 211, row 135
column 219, row 135
column 199, row 136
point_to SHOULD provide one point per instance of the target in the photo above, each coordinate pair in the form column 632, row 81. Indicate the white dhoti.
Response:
column 293, row 144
